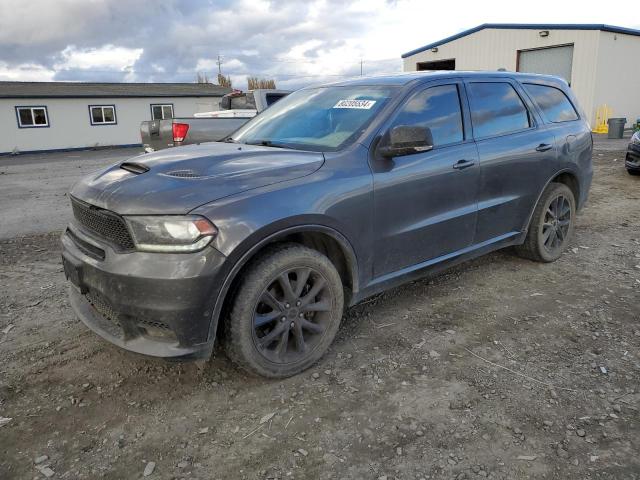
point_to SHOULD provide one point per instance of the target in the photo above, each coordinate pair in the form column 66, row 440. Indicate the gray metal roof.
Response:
column 526, row 26
column 108, row 90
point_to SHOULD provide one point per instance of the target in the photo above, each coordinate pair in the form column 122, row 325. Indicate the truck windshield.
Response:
column 320, row 119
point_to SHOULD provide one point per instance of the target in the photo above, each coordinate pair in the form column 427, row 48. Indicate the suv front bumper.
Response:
column 155, row 304
column 632, row 160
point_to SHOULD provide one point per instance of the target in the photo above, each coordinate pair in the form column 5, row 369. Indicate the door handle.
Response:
column 543, row 147
column 462, row 164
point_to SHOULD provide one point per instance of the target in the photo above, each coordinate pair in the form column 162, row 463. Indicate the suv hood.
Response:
column 177, row 180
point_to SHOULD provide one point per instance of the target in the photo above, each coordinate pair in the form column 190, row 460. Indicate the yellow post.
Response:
column 603, row 113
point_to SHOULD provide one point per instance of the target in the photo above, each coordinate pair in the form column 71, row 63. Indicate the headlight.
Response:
column 635, row 139
column 171, row 233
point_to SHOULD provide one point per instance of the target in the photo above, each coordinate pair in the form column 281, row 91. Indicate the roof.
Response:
column 527, row 26
column 404, row 78
column 108, row 90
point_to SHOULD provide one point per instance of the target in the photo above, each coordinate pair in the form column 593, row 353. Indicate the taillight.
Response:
column 180, row 131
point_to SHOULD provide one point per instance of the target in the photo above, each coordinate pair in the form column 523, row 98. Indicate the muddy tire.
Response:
column 551, row 225
column 285, row 313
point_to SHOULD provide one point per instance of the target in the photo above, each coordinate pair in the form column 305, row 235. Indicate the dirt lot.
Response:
column 502, row 368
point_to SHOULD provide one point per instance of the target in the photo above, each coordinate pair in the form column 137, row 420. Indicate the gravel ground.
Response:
column 501, row 368
column 34, row 187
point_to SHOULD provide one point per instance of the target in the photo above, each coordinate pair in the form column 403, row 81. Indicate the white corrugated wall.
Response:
column 618, row 77
column 491, row 49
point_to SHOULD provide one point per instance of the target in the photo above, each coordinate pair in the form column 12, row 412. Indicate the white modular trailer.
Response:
column 599, row 61
column 45, row 116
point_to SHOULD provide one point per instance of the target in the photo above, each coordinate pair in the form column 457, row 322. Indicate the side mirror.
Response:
column 406, row 140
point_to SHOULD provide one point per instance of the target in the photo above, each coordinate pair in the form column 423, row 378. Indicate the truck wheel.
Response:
column 286, row 312
column 551, row 225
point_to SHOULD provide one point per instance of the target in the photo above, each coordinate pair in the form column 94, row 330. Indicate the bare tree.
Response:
column 202, row 78
column 224, row 81
column 255, row 82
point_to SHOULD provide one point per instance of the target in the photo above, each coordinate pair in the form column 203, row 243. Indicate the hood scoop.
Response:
column 183, row 174
column 133, row 167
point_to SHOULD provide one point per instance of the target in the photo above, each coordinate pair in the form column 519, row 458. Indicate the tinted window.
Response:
column 437, row 108
column 553, row 102
column 274, row 97
column 496, row 109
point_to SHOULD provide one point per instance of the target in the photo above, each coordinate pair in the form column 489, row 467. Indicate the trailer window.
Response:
column 102, row 114
column 32, row 117
column 161, row 111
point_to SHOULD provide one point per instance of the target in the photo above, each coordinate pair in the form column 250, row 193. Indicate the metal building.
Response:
column 42, row 116
column 600, row 62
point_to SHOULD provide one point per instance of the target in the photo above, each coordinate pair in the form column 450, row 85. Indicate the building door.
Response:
column 549, row 61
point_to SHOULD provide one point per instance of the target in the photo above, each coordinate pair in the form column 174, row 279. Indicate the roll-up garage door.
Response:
column 550, row 61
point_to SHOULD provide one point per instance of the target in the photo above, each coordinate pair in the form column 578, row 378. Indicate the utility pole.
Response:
column 361, row 67
column 219, row 62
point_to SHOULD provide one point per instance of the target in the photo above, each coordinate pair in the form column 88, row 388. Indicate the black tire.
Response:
column 633, row 172
column 548, row 237
column 299, row 336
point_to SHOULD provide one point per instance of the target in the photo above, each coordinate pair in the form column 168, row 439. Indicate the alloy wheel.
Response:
column 557, row 221
column 292, row 315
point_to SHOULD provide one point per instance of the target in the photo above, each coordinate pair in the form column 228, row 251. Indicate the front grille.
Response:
column 86, row 247
column 160, row 325
column 110, row 318
column 103, row 223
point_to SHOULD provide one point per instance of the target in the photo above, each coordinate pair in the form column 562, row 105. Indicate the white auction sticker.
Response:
column 362, row 104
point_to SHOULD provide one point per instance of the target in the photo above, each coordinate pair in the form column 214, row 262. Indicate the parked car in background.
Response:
column 236, row 109
column 333, row 194
column 632, row 160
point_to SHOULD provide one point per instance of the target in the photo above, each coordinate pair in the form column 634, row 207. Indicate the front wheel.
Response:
column 286, row 312
column 551, row 225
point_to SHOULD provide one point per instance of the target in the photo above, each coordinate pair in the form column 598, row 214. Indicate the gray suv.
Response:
column 332, row 195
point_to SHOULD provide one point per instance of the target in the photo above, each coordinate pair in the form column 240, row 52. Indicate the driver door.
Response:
column 426, row 203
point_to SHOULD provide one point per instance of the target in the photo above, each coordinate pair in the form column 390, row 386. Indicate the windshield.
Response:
column 319, row 119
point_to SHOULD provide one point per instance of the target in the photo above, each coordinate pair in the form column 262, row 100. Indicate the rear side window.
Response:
column 553, row 102
column 496, row 109
column 274, row 97
column 437, row 108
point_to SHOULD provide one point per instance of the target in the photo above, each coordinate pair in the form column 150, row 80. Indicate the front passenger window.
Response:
column 437, row 108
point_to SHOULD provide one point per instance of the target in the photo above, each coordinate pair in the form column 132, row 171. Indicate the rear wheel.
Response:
column 551, row 225
column 286, row 312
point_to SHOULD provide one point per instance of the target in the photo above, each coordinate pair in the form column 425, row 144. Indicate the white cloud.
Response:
column 106, row 57
column 25, row 73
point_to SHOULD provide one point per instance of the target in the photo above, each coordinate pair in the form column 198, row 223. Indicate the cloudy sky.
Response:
column 294, row 42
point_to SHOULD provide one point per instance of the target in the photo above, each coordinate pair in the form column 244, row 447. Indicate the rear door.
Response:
column 425, row 203
column 517, row 155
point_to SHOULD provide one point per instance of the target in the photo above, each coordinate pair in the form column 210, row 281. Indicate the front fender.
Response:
column 252, row 245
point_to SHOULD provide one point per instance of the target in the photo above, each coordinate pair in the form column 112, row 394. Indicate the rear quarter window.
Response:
column 553, row 102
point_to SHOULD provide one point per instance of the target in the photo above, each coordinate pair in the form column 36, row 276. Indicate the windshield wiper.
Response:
column 268, row 143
